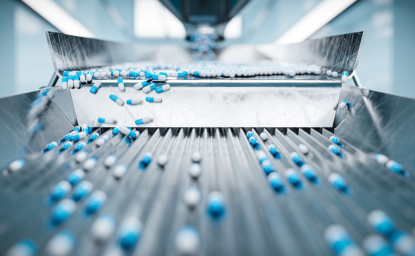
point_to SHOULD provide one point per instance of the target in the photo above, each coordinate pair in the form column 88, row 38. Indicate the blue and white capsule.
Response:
column 274, row 151
column 215, row 205
column 76, row 129
column 78, row 136
column 159, row 77
column 128, row 132
column 335, row 140
column 89, row 78
column 94, row 136
column 120, row 84
column 51, row 145
column 149, row 88
column 187, row 241
column 145, row 160
column 85, row 129
column 297, row 159
column 381, row 222
column 95, row 86
column 101, row 141
column 129, row 233
column 276, row 182
column 293, row 177
column 382, row 159
column 60, row 190
column 144, row 120
column 90, row 125
column 261, row 156
column 308, row 172
column 395, row 167
column 339, row 240
column 335, row 150
column 303, row 149
column 154, row 99
column 95, row 201
column 106, row 120
column 103, row 228
column 267, row 167
column 66, row 73
column 70, row 82
column 89, row 164
column 249, row 135
column 64, row 83
column 163, row 88
column 76, row 82
column 61, row 244
column 140, row 85
column 252, row 141
column 133, row 102
column 115, row 130
column 82, row 78
column 76, row 176
column 110, row 161
column 81, row 156
column 338, row 182
column 66, row 145
column 345, row 76
column 403, row 243
column 116, row 99
column 23, row 248
column 63, row 210
column 343, row 104
column 376, row 245
column 82, row 190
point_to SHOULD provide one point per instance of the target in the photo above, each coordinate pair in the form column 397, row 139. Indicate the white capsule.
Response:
column 103, row 228
column 124, row 73
column 161, row 78
column 82, row 78
column 263, row 136
column 70, row 83
column 303, row 149
column 196, row 156
column 187, row 241
column 334, row 74
column 119, row 171
column 76, row 84
column 162, row 160
column 343, row 104
column 173, row 74
column 133, row 102
column 110, row 161
column 100, row 142
column 329, row 72
column 192, row 197
column 195, row 170
column 17, row 165
column 22, row 248
column 89, row 164
column 89, row 77
column 382, row 159
column 61, row 244
column 163, row 88
column 81, row 156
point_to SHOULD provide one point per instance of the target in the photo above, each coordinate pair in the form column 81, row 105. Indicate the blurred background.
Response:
column 385, row 64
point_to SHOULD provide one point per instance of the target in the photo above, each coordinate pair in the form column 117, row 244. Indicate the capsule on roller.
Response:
column 61, row 244
column 78, row 136
column 76, row 176
column 128, row 132
column 129, row 233
column 103, row 228
column 62, row 211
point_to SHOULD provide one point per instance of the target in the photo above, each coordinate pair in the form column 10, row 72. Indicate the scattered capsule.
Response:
column 17, row 165
column 23, row 248
column 119, row 171
column 261, row 156
column 62, row 244
column 275, row 181
column 76, row 176
column 163, row 88
column 149, row 88
column 303, row 149
column 196, row 156
column 263, row 136
column 187, row 241
column 143, row 120
column 95, row 87
column 140, row 85
column 343, row 104
column 110, row 161
column 154, row 99
column 376, row 245
column 64, row 83
column 215, row 205
column 70, row 82
column 335, row 150
column 309, row 172
column 106, row 120
column 338, row 182
column 81, row 156
column 116, row 99
column 78, row 136
column 94, row 136
column 345, row 76
column 134, row 102
column 381, row 222
column 329, row 72
column 60, row 190
column 249, row 135
column 103, row 228
column 252, row 141
column 89, row 164
column 293, row 177
column 192, row 197
column 159, row 77
column 296, row 158
column 334, row 74
column 195, row 170
column 382, row 159
column 146, row 160
column 340, row 241
column 395, row 167
column 133, row 134
column 51, row 146
column 115, row 130
column 335, row 140
column 120, row 84
column 66, row 145
column 403, row 243
column 267, row 167
column 63, row 210
column 129, row 233
column 82, row 190
column 162, row 160
column 95, row 201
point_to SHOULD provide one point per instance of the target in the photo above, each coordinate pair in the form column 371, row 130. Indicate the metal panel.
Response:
column 226, row 104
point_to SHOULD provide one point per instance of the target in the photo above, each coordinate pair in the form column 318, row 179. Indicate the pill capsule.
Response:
column 187, row 241
column 267, row 167
column 309, row 173
column 124, row 73
column 249, row 135
column 140, row 85
column 376, row 245
column 173, row 74
column 343, row 104
column 95, row 201
column 382, row 159
column 163, row 88
column 293, row 177
column 103, row 228
column 70, row 82
column 252, row 141
column 133, row 134
column 192, row 197
column 95, row 86
column 196, row 157
column 94, row 136
column 338, row 238
column 154, row 99
column 66, row 73
column 89, row 164
column 329, row 72
column 62, row 244
column 64, row 83
column 89, row 78
column 195, row 170
column 115, row 73
column 145, row 160
column 143, row 120
column 85, row 128
column 261, row 156
column 303, row 149
column 120, row 84
column 79, row 147
column 403, row 243
column 129, row 233
column 106, row 120
column 215, row 205
column 119, row 171
column 66, row 137
column 115, row 130
column 116, row 99
column 66, row 145
column 159, row 77
column 275, row 181
column 82, row 78
column 81, row 156
column 76, row 176
column 345, row 75
column 335, row 150
column 62, row 211
column 60, row 190
column 22, row 248
column 338, row 182
column 273, row 150
column 78, row 136
column 263, row 136
column 381, row 222
column 334, row 139
column 100, row 142
column 334, row 74
column 395, row 167
column 76, row 129
column 162, row 160
column 134, row 102
column 51, row 145
column 76, row 82
column 110, row 161
column 296, row 158
column 82, row 190
column 149, row 88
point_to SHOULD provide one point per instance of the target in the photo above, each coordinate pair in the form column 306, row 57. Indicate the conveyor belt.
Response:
column 258, row 221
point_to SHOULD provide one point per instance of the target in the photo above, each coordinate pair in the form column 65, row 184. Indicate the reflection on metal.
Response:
column 356, row 80
column 195, row 105
column 383, row 123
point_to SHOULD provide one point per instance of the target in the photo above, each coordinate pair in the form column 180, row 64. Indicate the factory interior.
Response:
column 207, row 127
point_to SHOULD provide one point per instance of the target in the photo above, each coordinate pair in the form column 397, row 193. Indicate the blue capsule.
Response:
column 267, row 167
column 67, row 137
column 343, row 104
column 115, row 130
column 154, row 99
column 95, row 201
column 381, row 222
column 65, row 73
column 296, row 159
column 335, row 140
column 338, row 238
column 94, row 136
column 275, row 181
column 293, row 177
column 62, row 211
column 261, row 156
column 403, row 243
column 51, row 145
column 23, row 248
column 78, row 136
column 215, row 205
column 133, row 74
column 163, row 88
column 252, row 141
column 249, row 135
column 335, row 150
column 309, row 173
column 146, row 160
column 376, row 245
column 129, row 233
column 149, row 88
column 338, row 182
column 395, row 167
column 76, row 129
column 143, row 120
column 82, row 190
column 80, row 146
column 76, row 176
column 116, row 99
column 274, row 151
column 60, row 190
